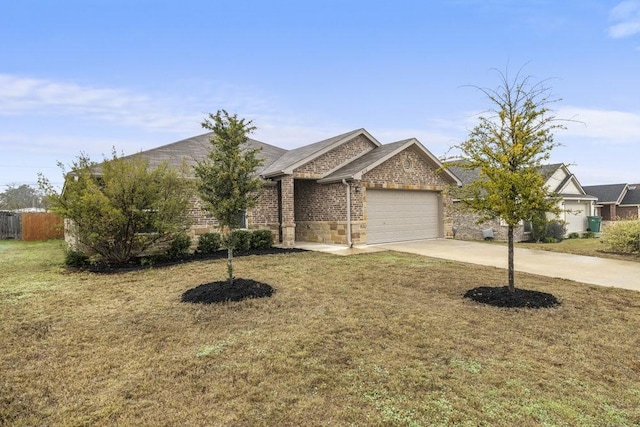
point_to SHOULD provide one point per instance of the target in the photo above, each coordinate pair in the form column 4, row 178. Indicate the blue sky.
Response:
column 86, row 76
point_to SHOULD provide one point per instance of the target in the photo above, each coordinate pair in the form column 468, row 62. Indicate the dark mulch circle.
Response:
column 500, row 296
column 216, row 292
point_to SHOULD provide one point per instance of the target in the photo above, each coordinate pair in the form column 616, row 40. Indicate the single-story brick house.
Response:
column 616, row 201
column 348, row 189
column 574, row 203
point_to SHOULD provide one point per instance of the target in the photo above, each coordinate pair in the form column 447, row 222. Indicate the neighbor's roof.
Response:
column 467, row 176
column 633, row 195
column 607, row 194
column 194, row 149
column 299, row 156
column 378, row 155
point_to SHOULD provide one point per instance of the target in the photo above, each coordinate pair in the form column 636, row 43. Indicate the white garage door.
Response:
column 397, row 215
column 576, row 216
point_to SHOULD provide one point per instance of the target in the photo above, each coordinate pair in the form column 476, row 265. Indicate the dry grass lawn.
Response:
column 366, row 340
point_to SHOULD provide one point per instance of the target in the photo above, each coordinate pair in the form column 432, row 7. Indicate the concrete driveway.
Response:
column 592, row 270
column 596, row 271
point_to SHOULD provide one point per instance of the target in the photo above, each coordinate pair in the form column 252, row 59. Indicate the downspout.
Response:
column 348, row 187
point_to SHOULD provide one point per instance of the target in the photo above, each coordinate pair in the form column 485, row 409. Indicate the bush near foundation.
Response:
column 622, row 236
column 209, row 243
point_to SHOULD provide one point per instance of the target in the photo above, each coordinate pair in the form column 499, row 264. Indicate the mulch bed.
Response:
column 216, row 292
column 160, row 261
column 521, row 298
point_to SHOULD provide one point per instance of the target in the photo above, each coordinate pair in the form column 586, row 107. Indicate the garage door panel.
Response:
column 397, row 215
column 576, row 216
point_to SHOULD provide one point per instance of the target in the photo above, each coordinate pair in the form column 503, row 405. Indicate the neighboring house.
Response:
column 348, row 189
column 616, row 201
column 574, row 203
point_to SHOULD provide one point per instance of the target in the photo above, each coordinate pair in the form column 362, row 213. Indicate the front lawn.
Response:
column 364, row 340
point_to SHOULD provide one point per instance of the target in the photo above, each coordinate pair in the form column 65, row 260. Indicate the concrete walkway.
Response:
column 585, row 269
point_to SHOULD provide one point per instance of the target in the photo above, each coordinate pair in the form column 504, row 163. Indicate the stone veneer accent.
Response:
column 468, row 229
column 288, row 226
column 335, row 158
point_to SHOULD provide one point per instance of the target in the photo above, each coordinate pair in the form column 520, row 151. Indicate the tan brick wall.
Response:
column 335, row 158
column 320, row 202
column 407, row 170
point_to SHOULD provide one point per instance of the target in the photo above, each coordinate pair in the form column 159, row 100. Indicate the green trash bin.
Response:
column 594, row 223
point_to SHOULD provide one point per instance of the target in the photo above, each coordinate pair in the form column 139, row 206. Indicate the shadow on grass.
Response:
column 521, row 298
column 217, row 292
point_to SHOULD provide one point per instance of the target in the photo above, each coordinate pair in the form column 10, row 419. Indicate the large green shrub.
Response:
column 121, row 207
column 538, row 226
column 209, row 243
column 261, row 239
column 622, row 236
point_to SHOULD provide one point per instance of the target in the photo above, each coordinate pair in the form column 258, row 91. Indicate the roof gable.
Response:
column 377, row 156
column 297, row 157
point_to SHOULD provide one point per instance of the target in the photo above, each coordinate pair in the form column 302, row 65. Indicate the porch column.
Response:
column 288, row 224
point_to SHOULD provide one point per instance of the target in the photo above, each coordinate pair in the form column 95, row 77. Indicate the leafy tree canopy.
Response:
column 506, row 149
column 227, row 181
column 20, row 197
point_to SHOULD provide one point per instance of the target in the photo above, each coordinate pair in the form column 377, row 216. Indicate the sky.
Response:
column 90, row 76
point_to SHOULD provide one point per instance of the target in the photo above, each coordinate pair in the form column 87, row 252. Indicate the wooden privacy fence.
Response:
column 31, row 226
column 10, row 225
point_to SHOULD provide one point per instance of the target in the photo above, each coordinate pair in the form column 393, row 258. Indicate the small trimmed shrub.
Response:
column 209, row 243
column 179, row 246
column 556, row 230
column 240, row 240
column 538, row 226
column 76, row 259
column 622, row 236
column 549, row 239
column 261, row 239
column 589, row 235
column 574, row 235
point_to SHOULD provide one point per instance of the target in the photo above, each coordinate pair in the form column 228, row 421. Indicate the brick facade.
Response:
column 321, row 212
column 331, row 160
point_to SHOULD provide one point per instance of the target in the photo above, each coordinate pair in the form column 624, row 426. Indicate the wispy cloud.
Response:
column 625, row 19
column 603, row 126
column 22, row 96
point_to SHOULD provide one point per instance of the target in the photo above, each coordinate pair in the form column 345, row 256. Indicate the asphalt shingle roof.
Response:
column 194, row 149
column 609, row 193
column 633, row 195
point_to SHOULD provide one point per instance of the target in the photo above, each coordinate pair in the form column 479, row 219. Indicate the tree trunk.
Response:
column 512, row 285
column 230, row 264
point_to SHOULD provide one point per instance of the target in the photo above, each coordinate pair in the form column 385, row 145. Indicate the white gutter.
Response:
column 348, row 187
